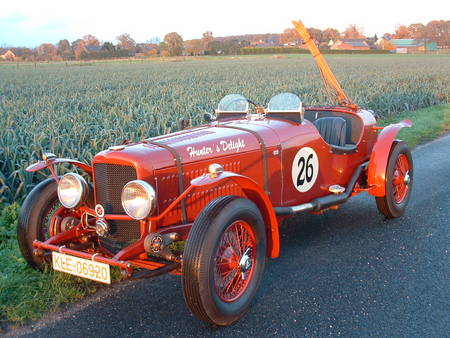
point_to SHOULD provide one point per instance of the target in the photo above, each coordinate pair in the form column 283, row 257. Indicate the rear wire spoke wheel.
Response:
column 401, row 179
column 399, row 182
column 224, row 260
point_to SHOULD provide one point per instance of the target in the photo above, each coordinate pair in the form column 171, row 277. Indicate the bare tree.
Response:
column 417, row 30
column 207, row 38
column 354, row 32
column 439, row 32
column 79, row 49
column 90, row 40
column 64, row 49
column 174, row 43
column 331, row 34
column 402, row 32
column 316, row 34
column 46, row 51
column 126, row 42
column 290, row 36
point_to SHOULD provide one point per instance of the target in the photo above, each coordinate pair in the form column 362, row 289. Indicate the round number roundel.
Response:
column 305, row 169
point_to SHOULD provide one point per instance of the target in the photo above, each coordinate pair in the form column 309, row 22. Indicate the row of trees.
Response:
column 436, row 30
column 90, row 47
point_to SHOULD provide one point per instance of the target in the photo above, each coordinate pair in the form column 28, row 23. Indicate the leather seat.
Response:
column 332, row 129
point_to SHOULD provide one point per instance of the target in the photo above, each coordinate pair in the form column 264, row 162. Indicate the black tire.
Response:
column 34, row 219
column 393, row 204
column 200, row 272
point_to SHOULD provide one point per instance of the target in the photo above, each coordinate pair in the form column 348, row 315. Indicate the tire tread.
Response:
column 190, row 278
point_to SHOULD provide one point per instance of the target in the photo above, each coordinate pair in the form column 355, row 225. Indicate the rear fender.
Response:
column 255, row 194
column 376, row 175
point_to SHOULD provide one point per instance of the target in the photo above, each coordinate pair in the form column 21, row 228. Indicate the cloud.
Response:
column 18, row 30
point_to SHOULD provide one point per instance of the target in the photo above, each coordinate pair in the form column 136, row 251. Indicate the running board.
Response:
column 325, row 201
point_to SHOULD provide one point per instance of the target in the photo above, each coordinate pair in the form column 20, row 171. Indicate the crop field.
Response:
column 75, row 110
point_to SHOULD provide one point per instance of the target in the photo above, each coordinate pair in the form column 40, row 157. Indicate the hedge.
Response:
column 290, row 50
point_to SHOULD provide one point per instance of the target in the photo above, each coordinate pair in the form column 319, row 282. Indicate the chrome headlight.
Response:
column 138, row 199
column 72, row 190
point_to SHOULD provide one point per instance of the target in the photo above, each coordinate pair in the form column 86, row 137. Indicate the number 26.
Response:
column 306, row 170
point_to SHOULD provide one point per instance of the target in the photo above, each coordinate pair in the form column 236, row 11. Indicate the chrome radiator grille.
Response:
column 109, row 182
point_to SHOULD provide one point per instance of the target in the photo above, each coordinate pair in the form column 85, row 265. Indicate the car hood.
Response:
column 197, row 144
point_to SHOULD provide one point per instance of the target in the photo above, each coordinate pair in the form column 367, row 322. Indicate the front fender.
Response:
column 254, row 192
column 50, row 162
column 376, row 175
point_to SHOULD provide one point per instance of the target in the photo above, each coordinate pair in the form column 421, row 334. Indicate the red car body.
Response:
column 233, row 144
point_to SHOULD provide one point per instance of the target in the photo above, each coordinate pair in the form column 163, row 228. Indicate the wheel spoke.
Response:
column 230, row 282
column 236, row 242
column 237, row 245
column 401, row 171
column 399, row 165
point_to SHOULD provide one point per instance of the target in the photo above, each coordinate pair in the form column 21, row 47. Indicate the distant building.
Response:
column 8, row 55
column 86, row 49
column 264, row 43
column 383, row 43
column 147, row 48
column 92, row 49
column 403, row 46
column 350, row 44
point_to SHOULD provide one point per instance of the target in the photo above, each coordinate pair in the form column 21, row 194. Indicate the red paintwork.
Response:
column 230, row 282
column 379, row 157
column 240, row 154
column 73, row 233
column 55, row 222
column 254, row 192
column 49, row 163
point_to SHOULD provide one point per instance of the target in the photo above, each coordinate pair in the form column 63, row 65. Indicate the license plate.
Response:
column 81, row 267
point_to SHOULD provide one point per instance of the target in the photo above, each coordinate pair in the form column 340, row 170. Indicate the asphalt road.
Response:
column 348, row 272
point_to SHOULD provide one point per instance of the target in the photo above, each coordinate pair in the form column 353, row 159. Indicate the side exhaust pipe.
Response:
column 325, row 201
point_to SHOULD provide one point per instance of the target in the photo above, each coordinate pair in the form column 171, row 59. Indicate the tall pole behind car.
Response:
column 327, row 75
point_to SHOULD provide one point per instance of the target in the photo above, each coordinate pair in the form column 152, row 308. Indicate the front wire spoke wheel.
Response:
column 233, row 269
column 223, row 260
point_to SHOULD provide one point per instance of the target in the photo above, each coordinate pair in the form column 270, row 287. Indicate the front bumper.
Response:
column 129, row 260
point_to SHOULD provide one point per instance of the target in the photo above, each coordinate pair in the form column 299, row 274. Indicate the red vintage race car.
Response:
column 222, row 188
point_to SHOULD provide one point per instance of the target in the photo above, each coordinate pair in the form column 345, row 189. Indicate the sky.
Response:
column 30, row 23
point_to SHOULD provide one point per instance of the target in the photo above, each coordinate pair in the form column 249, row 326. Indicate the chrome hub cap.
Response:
column 407, row 179
column 245, row 263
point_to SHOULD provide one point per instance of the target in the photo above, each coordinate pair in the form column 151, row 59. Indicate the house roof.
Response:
column 91, row 48
column 8, row 52
column 355, row 42
column 405, row 42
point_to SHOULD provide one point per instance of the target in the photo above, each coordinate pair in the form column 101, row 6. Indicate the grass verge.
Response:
column 26, row 294
column 428, row 123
